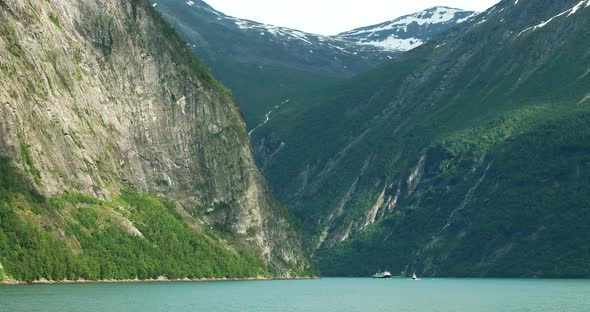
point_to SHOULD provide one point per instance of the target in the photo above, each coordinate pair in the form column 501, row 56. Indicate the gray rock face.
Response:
column 102, row 95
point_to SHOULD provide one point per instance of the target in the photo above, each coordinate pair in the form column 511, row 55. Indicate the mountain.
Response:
column 409, row 31
column 265, row 65
column 467, row 156
column 216, row 36
column 121, row 157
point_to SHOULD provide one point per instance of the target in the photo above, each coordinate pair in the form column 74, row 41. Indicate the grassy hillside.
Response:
column 451, row 160
column 489, row 207
column 136, row 235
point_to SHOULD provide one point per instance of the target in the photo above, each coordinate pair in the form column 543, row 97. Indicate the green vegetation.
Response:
column 531, row 222
column 76, row 236
column 55, row 20
column 8, row 35
column 162, row 182
column 287, row 215
column 480, row 140
column 27, row 160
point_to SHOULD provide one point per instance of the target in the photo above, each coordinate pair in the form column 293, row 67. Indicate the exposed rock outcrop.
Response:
column 98, row 96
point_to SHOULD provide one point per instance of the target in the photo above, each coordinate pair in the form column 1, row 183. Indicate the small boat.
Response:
column 384, row 274
column 414, row 277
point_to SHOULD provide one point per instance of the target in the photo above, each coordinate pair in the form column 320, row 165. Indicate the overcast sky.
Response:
column 329, row 17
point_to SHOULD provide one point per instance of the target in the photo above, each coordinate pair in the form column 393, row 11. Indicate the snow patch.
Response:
column 381, row 35
column 242, row 24
column 212, row 11
column 273, row 30
column 437, row 15
column 440, row 15
column 578, row 6
column 393, row 43
column 339, row 48
column 571, row 11
column 461, row 20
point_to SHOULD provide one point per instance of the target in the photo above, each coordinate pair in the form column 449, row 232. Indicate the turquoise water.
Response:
column 326, row 295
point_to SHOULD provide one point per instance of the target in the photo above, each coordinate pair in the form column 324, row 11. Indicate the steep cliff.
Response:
column 102, row 98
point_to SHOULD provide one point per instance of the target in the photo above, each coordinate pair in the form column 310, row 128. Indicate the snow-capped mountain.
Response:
column 408, row 32
column 264, row 64
column 214, row 36
column 213, row 33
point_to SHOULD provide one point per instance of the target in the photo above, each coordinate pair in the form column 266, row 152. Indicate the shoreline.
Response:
column 12, row 282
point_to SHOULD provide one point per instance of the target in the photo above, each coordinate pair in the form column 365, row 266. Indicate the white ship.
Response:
column 384, row 274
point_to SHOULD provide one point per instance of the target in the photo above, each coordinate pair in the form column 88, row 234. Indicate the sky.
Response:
column 330, row 17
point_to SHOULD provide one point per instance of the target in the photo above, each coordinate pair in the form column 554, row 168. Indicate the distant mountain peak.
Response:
column 398, row 35
column 408, row 31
